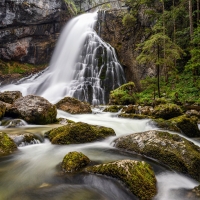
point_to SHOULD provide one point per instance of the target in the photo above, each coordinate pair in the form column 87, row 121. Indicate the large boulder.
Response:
column 6, row 144
column 10, row 96
column 123, row 95
column 76, row 133
column 33, row 109
column 167, row 111
column 136, row 175
column 29, row 29
column 73, row 106
column 74, row 161
column 2, row 109
column 170, row 149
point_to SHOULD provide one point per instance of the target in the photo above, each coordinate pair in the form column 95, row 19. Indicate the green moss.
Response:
column 76, row 133
column 137, row 176
column 134, row 116
column 6, row 144
column 172, row 150
column 123, row 95
column 167, row 111
column 113, row 108
column 2, row 109
column 74, row 161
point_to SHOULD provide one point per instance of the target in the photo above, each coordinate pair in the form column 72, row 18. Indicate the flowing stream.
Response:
column 32, row 171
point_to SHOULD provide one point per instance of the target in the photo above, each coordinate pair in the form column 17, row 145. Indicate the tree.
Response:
column 159, row 50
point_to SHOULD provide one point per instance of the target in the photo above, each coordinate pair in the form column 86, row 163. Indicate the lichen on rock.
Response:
column 7, row 145
column 138, row 176
column 73, row 106
column 10, row 96
column 170, row 149
column 76, row 133
column 74, row 161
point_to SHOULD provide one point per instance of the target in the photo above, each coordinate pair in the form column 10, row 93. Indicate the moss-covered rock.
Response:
column 74, row 161
column 10, row 96
column 123, row 95
column 73, row 106
column 136, row 175
column 113, row 108
column 167, row 111
column 76, row 133
column 187, row 125
column 33, row 109
column 170, row 149
column 134, row 116
column 2, row 109
column 6, row 144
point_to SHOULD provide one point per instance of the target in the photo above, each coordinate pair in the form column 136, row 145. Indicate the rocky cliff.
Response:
column 30, row 28
column 125, row 39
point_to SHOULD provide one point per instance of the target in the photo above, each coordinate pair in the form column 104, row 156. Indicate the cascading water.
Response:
column 83, row 66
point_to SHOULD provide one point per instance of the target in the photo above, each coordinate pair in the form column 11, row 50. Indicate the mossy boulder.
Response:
column 138, row 176
column 74, row 161
column 73, row 106
column 170, row 149
column 7, row 145
column 10, row 96
column 113, row 108
column 196, row 191
column 187, row 125
column 123, row 95
column 2, row 109
column 76, row 133
column 167, row 111
column 33, row 109
column 133, row 116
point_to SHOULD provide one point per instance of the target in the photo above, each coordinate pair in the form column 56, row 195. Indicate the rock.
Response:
column 6, row 144
column 192, row 113
column 64, row 121
column 74, row 161
column 138, row 176
column 167, row 111
column 73, row 106
column 170, row 149
column 13, row 123
column 2, row 109
column 29, row 29
column 134, row 116
column 113, row 108
column 187, row 125
column 10, row 96
column 76, row 133
column 123, row 95
column 196, row 191
column 33, row 109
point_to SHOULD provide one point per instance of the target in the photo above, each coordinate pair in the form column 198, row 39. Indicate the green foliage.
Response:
column 128, row 20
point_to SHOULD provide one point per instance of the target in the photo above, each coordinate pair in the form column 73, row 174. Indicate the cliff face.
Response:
column 30, row 28
column 125, row 41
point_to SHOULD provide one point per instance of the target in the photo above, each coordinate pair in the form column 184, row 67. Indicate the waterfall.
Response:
column 82, row 66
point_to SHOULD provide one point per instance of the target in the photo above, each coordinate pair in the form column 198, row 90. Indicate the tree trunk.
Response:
column 158, row 72
column 197, row 11
column 190, row 18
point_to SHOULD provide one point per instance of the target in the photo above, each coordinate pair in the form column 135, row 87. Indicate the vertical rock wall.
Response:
column 30, row 28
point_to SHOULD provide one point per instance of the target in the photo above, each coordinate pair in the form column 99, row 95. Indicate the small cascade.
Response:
column 82, row 66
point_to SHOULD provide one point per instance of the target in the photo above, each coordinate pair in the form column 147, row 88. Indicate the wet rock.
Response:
column 136, row 175
column 196, row 191
column 113, row 108
column 6, row 144
column 123, row 95
column 13, row 123
column 29, row 29
column 64, row 121
column 170, row 149
column 73, row 106
column 10, row 96
column 33, row 109
column 76, row 133
column 167, row 111
column 134, row 116
column 2, row 109
column 74, row 161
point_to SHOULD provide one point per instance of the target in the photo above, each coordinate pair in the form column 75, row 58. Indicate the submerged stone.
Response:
column 170, row 149
column 76, row 133
column 6, row 144
column 73, row 106
column 138, row 176
column 74, row 161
